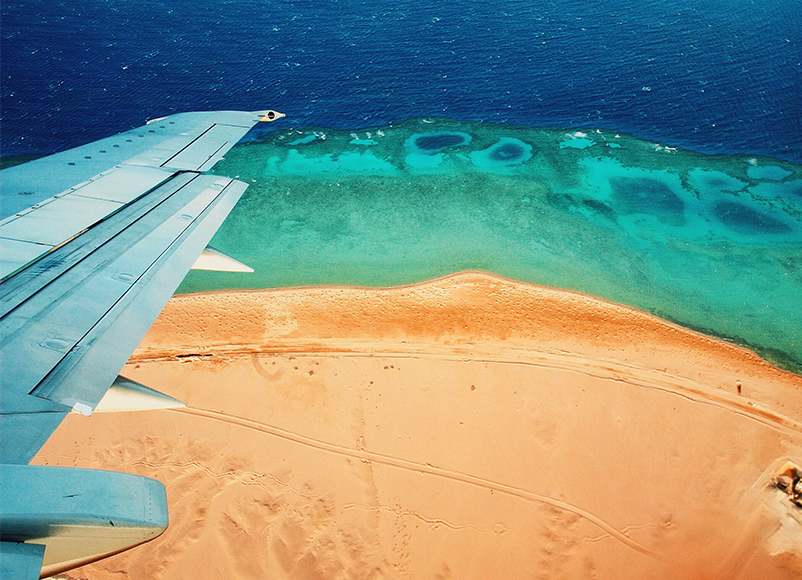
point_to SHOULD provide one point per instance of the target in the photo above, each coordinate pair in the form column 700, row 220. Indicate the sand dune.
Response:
column 468, row 427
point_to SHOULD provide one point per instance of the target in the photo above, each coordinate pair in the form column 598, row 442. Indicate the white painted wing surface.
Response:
column 93, row 242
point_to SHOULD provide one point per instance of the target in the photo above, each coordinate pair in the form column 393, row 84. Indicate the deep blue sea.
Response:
column 720, row 76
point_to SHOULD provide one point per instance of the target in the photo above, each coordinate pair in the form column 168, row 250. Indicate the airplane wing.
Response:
column 93, row 242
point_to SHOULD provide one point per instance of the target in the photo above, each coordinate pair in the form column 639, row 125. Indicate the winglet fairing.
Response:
column 93, row 242
column 127, row 395
column 211, row 259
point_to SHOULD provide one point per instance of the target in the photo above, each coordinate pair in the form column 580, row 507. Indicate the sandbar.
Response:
column 465, row 427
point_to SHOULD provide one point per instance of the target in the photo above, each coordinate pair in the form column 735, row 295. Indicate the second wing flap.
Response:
column 33, row 331
column 80, row 379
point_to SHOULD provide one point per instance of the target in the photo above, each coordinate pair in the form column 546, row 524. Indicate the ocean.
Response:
column 716, row 76
column 645, row 152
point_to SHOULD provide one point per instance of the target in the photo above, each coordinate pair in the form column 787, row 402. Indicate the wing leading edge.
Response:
column 109, row 231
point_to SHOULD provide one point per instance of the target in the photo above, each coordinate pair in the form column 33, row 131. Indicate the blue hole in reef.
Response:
column 649, row 196
column 434, row 142
column 507, row 152
column 746, row 220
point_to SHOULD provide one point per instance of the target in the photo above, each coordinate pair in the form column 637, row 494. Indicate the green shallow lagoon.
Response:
column 711, row 242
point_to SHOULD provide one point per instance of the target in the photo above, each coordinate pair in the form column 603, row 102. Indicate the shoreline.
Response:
column 557, row 300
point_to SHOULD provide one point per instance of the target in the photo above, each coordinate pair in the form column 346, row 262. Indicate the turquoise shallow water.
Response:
column 712, row 242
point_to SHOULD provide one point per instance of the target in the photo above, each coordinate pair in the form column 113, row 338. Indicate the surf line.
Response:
column 427, row 469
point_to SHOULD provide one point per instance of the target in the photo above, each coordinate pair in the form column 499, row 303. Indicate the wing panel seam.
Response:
column 49, row 383
column 187, row 146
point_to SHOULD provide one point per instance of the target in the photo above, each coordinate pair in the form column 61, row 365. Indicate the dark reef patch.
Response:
column 600, row 208
column 561, row 201
column 721, row 184
column 507, row 152
column 649, row 196
column 436, row 142
column 707, row 181
column 503, row 154
column 746, row 220
column 564, row 202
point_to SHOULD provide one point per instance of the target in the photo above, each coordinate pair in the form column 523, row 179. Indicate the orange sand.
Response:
column 468, row 427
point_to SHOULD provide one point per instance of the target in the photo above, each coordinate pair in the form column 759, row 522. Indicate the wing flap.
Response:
column 66, row 343
column 105, row 356
column 59, row 218
column 36, row 426
column 138, row 266
column 53, row 328
column 114, row 232
column 113, row 267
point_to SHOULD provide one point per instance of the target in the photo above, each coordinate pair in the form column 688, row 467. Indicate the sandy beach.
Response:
column 466, row 427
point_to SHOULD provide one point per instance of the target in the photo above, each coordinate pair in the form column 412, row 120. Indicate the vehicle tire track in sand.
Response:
column 405, row 464
column 633, row 376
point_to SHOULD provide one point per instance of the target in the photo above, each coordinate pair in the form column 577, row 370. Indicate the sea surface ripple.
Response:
column 708, row 75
